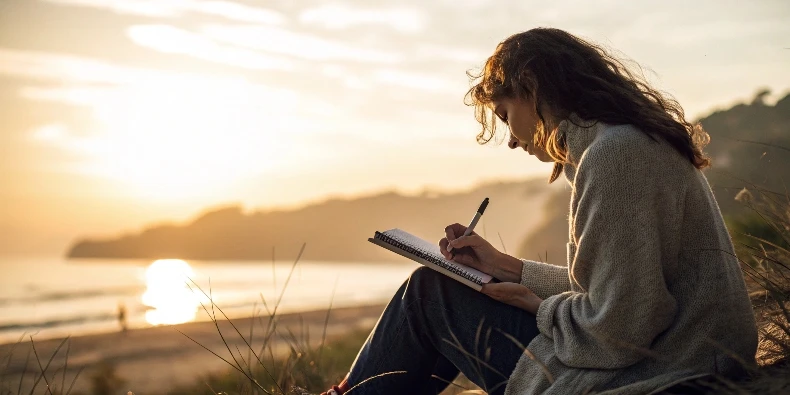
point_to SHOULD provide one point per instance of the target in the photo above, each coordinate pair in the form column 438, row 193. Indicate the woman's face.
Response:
column 522, row 119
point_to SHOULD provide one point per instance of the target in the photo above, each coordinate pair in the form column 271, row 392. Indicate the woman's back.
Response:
column 664, row 298
column 652, row 294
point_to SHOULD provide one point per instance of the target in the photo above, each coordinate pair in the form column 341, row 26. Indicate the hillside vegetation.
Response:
column 334, row 230
column 750, row 145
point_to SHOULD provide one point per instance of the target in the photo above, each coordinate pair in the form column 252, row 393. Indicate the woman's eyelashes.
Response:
column 502, row 117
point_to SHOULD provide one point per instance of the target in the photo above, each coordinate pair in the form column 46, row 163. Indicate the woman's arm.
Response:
column 544, row 279
column 526, row 283
column 623, row 218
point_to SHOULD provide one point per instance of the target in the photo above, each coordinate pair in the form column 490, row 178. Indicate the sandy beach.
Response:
column 152, row 360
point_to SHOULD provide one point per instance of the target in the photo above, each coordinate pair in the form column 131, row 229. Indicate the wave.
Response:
column 58, row 296
column 85, row 319
column 70, row 295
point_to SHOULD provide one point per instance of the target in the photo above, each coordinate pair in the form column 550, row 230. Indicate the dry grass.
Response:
column 762, row 241
column 312, row 364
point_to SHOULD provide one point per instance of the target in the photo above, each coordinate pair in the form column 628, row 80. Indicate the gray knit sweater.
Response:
column 652, row 293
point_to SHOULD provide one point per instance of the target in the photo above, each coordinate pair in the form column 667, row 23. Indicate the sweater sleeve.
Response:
column 620, row 221
column 544, row 279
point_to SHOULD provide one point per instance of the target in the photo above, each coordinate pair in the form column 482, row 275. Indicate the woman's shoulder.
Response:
column 627, row 142
column 614, row 149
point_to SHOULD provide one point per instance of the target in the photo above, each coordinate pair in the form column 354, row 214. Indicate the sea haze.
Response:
column 52, row 297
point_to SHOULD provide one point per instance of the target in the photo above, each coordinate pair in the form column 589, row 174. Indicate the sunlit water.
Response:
column 52, row 297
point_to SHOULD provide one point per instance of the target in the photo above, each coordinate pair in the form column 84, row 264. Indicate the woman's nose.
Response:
column 513, row 143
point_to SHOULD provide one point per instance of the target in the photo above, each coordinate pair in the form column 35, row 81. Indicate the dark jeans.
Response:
column 435, row 327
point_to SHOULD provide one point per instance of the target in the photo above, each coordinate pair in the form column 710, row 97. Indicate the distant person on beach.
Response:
column 122, row 316
column 652, row 299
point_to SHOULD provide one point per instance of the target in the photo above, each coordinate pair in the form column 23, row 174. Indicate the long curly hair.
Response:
column 565, row 74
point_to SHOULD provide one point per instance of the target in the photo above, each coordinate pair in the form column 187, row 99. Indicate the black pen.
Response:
column 471, row 227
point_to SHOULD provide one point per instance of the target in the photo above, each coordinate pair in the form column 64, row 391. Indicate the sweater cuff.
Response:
column 545, row 316
column 544, row 279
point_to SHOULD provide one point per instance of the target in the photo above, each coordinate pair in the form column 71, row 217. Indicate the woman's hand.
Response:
column 513, row 294
column 476, row 252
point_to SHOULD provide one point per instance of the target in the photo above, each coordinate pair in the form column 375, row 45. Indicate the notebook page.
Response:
column 432, row 249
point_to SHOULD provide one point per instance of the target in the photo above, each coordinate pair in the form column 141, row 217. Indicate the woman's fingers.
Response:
column 491, row 289
column 472, row 240
column 503, row 292
column 443, row 248
column 465, row 259
column 513, row 294
column 510, row 293
column 454, row 231
column 470, row 250
column 451, row 231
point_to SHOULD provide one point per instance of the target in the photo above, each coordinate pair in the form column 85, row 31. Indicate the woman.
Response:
column 652, row 294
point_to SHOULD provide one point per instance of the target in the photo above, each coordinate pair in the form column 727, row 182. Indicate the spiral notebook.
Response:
column 428, row 254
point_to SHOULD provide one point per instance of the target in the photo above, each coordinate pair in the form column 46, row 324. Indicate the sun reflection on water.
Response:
column 168, row 293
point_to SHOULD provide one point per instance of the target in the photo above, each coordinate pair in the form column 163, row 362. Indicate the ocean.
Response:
column 54, row 297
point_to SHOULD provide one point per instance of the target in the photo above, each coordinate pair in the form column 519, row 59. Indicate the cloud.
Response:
column 59, row 67
column 406, row 20
column 102, row 85
column 305, row 46
column 151, row 8
column 178, row 8
column 170, row 39
column 164, row 132
column 52, row 132
column 76, row 70
column 341, row 73
column 91, row 82
column 414, row 80
column 699, row 34
column 240, row 12
column 84, row 96
column 451, row 53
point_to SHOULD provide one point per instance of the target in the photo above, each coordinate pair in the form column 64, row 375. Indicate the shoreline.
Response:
column 153, row 360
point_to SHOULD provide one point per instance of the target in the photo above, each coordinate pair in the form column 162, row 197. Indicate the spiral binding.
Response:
column 428, row 257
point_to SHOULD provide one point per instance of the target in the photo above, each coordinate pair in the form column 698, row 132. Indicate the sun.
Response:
column 168, row 293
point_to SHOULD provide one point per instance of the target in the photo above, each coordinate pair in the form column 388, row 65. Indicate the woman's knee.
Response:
column 424, row 277
column 430, row 286
column 420, row 281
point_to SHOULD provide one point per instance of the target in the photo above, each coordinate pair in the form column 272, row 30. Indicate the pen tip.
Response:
column 483, row 206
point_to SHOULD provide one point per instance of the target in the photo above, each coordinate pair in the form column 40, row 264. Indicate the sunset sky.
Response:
column 119, row 113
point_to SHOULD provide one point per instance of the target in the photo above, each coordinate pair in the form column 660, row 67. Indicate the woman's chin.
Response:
column 542, row 156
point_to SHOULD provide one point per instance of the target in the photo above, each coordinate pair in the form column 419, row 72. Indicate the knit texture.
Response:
column 652, row 293
column 545, row 279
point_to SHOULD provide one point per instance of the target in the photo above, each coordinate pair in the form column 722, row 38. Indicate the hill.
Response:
column 334, row 230
column 749, row 145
